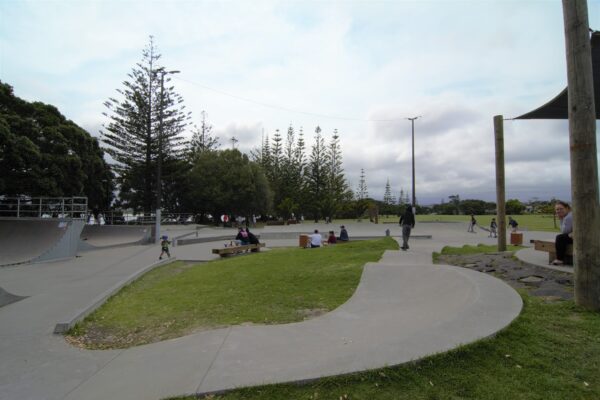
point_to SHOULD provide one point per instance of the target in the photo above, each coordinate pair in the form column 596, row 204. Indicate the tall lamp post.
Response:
column 414, row 196
column 162, row 73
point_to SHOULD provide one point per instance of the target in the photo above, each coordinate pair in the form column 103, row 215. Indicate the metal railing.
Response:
column 44, row 207
column 119, row 217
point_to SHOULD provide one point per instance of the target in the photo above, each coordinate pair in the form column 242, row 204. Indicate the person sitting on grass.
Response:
column 343, row 234
column 331, row 239
column 315, row 239
column 565, row 238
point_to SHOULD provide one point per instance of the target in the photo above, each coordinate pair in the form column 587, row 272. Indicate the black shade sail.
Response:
column 557, row 108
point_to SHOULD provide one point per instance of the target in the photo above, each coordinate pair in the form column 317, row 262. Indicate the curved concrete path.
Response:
column 404, row 309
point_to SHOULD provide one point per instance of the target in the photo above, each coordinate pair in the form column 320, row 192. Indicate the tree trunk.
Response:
column 584, row 163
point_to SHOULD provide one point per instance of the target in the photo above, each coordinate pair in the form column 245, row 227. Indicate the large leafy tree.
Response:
column 146, row 122
column 227, row 182
column 44, row 154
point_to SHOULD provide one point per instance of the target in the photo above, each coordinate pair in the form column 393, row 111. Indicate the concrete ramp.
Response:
column 102, row 236
column 28, row 240
column 7, row 298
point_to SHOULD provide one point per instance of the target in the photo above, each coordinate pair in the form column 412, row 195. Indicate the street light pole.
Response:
column 414, row 196
column 157, row 235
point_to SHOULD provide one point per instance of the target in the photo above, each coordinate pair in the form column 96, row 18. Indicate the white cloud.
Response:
column 455, row 63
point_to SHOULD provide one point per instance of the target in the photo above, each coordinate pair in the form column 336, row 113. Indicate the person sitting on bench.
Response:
column 242, row 237
column 563, row 212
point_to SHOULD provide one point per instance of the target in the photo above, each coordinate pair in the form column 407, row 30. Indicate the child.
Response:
column 493, row 227
column 164, row 245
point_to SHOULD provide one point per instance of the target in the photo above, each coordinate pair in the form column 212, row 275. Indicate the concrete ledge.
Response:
column 62, row 327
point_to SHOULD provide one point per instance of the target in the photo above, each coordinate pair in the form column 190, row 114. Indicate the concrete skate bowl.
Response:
column 104, row 236
column 28, row 239
column 7, row 298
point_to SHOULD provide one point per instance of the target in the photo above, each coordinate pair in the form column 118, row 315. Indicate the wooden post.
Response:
column 584, row 164
column 500, row 196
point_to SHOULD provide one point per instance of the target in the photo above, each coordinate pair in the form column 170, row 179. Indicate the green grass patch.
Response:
column 528, row 222
column 552, row 351
column 274, row 287
column 470, row 249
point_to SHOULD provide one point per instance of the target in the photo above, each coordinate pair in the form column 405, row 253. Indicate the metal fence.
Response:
column 119, row 217
column 44, row 207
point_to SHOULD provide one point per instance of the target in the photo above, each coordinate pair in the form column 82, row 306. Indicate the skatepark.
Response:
column 405, row 308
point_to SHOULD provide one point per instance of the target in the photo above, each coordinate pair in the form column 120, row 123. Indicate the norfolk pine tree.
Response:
column 131, row 135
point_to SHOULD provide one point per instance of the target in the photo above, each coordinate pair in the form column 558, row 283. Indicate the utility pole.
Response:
column 162, row 73
column 583, row 155
column 414, row 196
column 500, row 186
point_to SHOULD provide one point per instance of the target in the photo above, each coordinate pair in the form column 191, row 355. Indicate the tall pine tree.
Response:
column 202, row 138
column 316, row 175
column 336, row 191
column 147, row 120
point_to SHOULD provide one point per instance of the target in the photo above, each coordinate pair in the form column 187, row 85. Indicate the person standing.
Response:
column 407, row 221
column 493, row 228
column 565, row 238
column 472, row 224
column 514, row 225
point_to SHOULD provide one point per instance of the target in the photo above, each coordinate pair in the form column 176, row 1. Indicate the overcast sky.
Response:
column 361, row 67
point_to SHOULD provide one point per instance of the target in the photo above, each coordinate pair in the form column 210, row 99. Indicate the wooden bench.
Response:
column 549, row 247
column 233, row 250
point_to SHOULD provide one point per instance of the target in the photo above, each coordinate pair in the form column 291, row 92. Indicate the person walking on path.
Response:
column 565, row 238
column 407, row 221
column 164, row 247
column 493, row 228
column 472, row 224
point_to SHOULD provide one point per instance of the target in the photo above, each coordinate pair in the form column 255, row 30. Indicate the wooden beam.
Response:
column 500, row 189
column 584, row 163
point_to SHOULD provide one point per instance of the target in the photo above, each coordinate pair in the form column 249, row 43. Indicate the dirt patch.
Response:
column 538, row 281
column 308, row 313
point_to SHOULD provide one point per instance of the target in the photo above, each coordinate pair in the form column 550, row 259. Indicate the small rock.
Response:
column 532, row 279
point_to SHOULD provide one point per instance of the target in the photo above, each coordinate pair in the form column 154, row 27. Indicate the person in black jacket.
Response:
column 407, row 222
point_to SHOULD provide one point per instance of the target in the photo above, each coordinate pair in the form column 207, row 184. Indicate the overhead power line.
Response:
column 267, row 105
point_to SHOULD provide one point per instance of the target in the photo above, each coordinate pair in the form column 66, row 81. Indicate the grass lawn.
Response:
column 273, row 287
column 469, row 249
column 551, row 351
column 529, row 222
